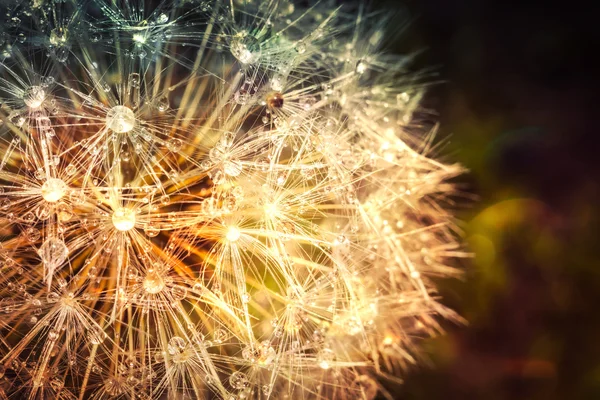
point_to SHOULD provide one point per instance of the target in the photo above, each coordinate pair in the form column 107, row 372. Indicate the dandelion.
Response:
column 213, row 200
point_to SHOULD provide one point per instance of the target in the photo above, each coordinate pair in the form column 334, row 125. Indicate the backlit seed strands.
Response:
column 212, row 200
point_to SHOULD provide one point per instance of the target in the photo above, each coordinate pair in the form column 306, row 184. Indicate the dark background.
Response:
column 518, row 109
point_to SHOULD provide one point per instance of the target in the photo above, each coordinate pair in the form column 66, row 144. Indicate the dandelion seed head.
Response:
column 231, row 200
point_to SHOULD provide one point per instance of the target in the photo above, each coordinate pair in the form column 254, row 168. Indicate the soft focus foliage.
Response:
column 213, row 199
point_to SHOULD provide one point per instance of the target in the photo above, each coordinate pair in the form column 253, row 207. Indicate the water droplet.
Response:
column 134, row 80
column 219, row 335
column 162, row 103
column 96, row 335
column 365, row 386
column 238, row 380
column 246, row 48
column 162, row 18
column 61, row 53
column 43, row 212
column 53, row 335
column 325, row 358
column 178, row 292
column 64, row 212
column 96, row 37
column 153, row 282
column 53, row 253
column 300, row 47
column 176, row 345
column 32, row 234
column 34, row 96
column 232, row 167
column 123, row 219
column 361, row 67
column 151, row 231
column 120, row 119
column 53, row 190
column 174, row 144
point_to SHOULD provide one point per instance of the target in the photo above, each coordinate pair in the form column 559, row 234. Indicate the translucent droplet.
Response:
column 28, row 218
column 162, row 104
column 53, row 190
column 238, row 380
column 232, row 167
column 151, row 231
column 34, row 96
column 219, row 335
column 43, row 212
column 134, row 80
column 96, row 335
column 176, row 345
column 266, row 389
column 246, row 48
column 278, row 82
column 174, row 144
column 61, row 53
column 162, row 19
column 178, row 292
column 125, row 156
column 120, row 119
column 123, row 219
column 325, row 358
column 53, row 253
column 96, row 37
column 32, row 234
column 361, row 67
column 64, row 212
column 165, row 201
column 300, row 47
column 153, row 283
column 48, row 81
column 53, row 335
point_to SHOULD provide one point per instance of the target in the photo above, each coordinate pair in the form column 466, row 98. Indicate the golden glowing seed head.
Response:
column 53, row 190
column 153, row 283
column 120, row 119
column 123, row 219
column 233, row 234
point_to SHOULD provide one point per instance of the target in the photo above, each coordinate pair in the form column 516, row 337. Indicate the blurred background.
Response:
column 516, row 107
